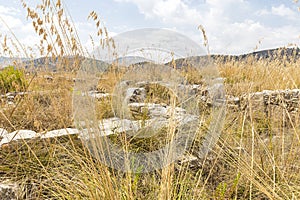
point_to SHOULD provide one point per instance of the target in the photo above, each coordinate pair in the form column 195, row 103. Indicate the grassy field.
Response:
column 256, row 157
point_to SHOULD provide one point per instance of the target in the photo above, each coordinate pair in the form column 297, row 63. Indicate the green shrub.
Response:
column 12, row 79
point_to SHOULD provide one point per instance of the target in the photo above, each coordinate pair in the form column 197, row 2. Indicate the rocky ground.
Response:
column 157, row 115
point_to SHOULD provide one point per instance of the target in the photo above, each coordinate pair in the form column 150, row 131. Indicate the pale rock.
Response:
column 187, row 158
column 98, row 95
column 123, row 84
column 157, row 110
column 216, row 92
column 3, row 132
column 8, row 191
column 117, row 125
column 108, row 127
column 18, row 135
column 60, row 132
column 153, row 110
column 48, row 78
column 135, row 95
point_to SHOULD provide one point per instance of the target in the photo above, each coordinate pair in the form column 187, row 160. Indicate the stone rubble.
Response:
column 10, row 97
column 29, row 134
column 159, row 116
column 98, row 95
column 160, row 113
column 8, row 191
column 152, row 115
column 135, row 95
column 288, row 99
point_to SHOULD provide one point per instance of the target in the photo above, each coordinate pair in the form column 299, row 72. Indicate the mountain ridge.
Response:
column 74, row 62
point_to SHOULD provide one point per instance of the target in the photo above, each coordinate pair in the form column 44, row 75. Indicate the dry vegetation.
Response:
column 257, row 156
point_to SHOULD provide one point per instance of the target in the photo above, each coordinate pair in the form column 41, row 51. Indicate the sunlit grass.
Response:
column 257, row 156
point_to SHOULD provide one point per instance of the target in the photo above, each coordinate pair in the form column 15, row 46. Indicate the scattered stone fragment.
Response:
column 78, row 80
column 18, row 135
column 98, row 95
column 157, row 117
column 134, row 95
column 60, row 132
column 116, row 125
column 108, row 127
column 3, row 132
column 149, row 109
column 8, row 191
column 48, row 78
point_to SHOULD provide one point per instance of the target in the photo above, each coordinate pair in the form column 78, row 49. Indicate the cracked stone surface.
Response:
column 18, row 135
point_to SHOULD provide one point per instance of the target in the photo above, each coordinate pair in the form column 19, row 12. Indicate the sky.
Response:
column 232, row 26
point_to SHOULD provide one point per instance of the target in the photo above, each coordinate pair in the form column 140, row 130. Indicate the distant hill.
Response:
column 291, row 54
column 74, row 63
column 288, row 54
column 130, row 60
column 68, row 63
column 5, row 61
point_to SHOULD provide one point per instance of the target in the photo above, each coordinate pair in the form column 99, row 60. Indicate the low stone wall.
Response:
column 264, row 101
column 286, row 99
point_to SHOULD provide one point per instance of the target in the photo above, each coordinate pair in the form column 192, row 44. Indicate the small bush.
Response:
column 12, row 79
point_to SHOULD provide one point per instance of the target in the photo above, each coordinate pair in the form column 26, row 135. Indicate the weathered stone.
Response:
column 158, row 115
column 116, row 125
column 98, row 95
column 108, row 127
column 18, row 135
column 134, row 95
column 149, row 109
column 78, row 80
column 8, row 191
column 288, row 99
column 3, row 132
column 60, row 132
column 48, row 78
column 28, row 134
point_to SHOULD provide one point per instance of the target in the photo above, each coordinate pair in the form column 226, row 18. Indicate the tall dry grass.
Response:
column 257, row 156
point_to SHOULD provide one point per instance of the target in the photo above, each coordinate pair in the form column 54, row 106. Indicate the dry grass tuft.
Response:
column 257, row 156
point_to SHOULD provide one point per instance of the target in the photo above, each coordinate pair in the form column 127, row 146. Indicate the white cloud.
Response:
column 144, row 6
column 262, row 12
column 284, row 11
column 8, row 10
column 9, row 19
column 236, row 37
column 176, row 11
column 16, row 30
column 168, row 11
column 222, row 3
column 281, row 11
column 232, row 26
